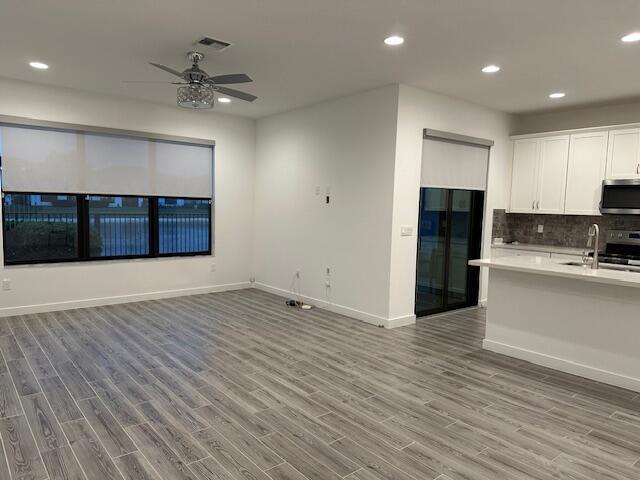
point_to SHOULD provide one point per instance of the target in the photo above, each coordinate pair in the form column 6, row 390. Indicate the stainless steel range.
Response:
column 623, row 248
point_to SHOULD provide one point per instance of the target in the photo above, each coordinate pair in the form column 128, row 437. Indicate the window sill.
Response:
column 93, row 263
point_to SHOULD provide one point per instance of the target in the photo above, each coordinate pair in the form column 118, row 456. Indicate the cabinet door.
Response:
column 623, row 157
column 523, row 176
column 552, row 174
column 585, row 173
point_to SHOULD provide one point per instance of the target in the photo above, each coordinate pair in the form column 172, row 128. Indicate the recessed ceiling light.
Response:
column 394, row 40
column 632, row 37
column 224, row 100
column 491, row 69
column 39, row 65
column 557, row 95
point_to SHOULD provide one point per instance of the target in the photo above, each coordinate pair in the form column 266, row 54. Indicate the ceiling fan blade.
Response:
column 154, row 81
column 237, row 94
column 229, row 79
column 167, row 69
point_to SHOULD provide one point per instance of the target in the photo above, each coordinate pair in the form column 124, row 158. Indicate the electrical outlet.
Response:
column 327, row 283
column 540, row 228
column 213, row 267
column 6, row 284
column 318, row 190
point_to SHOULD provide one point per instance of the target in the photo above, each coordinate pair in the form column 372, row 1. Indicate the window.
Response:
column 74, row 193
column 118, row 226
column 184, row 225
column 46, row 228
column 39, row 227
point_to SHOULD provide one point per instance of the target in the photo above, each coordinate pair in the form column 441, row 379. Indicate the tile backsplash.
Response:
column 559, row 230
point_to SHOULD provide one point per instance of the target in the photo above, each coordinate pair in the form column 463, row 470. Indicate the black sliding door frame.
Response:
column 476, row 213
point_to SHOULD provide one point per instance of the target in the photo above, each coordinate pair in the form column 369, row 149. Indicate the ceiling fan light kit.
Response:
column 195, row 96
column 198, row 90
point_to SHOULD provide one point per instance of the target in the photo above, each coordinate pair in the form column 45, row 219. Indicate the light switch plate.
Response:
column 406, row 230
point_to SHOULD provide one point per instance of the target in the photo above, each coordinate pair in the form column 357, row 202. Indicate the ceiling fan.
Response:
column 197, row 90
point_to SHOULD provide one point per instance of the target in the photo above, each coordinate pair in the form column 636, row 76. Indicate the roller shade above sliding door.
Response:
column 54, row 161
column 447, row 164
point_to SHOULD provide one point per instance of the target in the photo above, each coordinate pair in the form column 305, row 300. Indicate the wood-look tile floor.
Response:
column 237, row 386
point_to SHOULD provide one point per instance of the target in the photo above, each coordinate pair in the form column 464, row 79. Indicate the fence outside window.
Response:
column 45, row 228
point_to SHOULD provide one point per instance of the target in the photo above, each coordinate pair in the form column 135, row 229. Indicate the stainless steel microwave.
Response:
column 621, row 197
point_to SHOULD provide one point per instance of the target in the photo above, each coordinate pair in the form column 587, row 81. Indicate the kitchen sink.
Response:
column 606, row 266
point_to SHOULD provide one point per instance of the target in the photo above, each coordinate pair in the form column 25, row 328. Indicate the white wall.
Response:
column 419, row 109
column 58, row 286
column 579, row 118
column 271, row 215
column 347, row 145
column 368, row 149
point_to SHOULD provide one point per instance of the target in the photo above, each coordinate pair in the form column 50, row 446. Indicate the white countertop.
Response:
column 556, row 267
column 532, row 247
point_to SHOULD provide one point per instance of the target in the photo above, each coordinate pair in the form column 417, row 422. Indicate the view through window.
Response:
column 40, row 227
column 45, row 228
column 120, row 226
column 184, row 225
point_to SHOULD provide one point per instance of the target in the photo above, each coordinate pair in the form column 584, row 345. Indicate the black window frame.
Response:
column 82, row 208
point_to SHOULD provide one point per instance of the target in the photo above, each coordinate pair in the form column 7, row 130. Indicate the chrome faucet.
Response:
column 594, row 232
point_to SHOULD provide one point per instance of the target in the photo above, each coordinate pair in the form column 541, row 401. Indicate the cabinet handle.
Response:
column 533, row 205
column 638, row 169
column 538, row 205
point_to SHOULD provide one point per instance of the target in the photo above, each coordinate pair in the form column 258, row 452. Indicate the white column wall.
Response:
column 419, row 109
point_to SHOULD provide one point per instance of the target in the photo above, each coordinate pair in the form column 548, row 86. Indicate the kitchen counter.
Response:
column 557, row 267
column 532, row 247
column 569, row 318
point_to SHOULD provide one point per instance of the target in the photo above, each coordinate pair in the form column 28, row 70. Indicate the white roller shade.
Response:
column 51, row 161
column 454, row 165
column 192, row 173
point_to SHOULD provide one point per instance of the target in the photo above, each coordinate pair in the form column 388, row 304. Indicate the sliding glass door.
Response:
column 450, row 231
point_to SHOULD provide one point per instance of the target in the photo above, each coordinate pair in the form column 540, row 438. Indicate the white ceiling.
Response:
column 301, row 52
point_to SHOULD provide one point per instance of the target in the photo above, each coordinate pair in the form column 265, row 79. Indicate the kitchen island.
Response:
column 566, row 317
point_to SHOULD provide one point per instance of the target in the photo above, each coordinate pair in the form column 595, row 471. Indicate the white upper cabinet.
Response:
column 539, row 175
column 585, row 173
column 523, row 177
column 563, row 173
column 623, row 158
column 552, row 174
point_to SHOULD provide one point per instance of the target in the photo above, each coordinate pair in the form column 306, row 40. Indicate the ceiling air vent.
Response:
column 217, row 45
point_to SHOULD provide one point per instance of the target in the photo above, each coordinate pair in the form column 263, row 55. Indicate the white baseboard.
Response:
column 563, row 365
column 343, row 310
column 99, row 301
column 401, row 321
